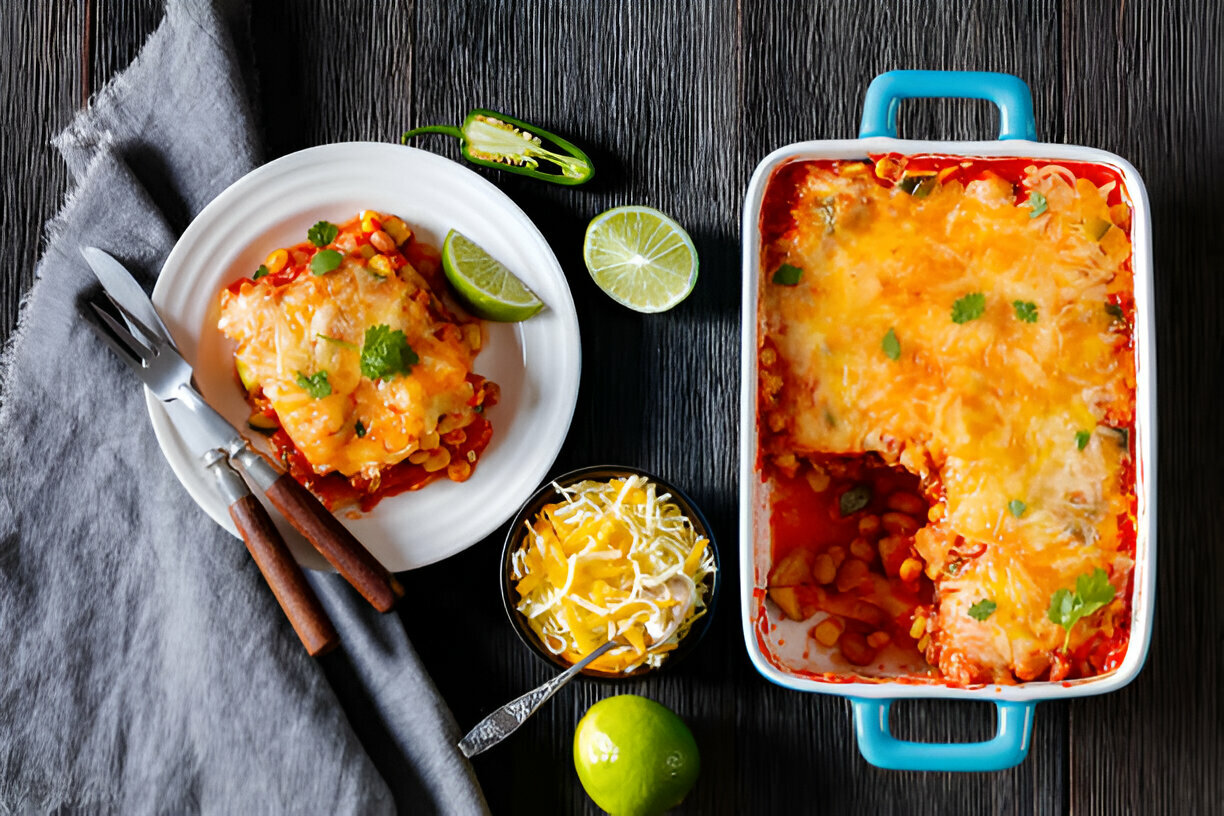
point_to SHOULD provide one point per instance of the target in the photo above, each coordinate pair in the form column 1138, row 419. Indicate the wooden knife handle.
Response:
column 344, row 552
column 284, row 576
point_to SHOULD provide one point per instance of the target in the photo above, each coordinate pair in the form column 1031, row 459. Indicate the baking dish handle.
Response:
column 879, row 747
column 1008, row 92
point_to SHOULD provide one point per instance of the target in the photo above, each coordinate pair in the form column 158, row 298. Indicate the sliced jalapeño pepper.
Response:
column 491, row 139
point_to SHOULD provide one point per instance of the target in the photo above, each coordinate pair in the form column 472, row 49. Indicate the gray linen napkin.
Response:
column 144, row 665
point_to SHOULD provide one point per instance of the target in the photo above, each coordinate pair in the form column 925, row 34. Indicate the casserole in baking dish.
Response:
column 947, row 420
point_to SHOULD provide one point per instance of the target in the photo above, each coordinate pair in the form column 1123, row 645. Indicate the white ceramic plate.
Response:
column 536, row 363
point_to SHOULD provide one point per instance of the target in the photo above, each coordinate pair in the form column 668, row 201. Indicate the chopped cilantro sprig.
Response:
column 1026, row 310
column 322, row 233
column 891, row 345
column 1038, row 202
column 324, row 261
column 316, row 385
column 970, row 307
column 1092, row 591
column 386, row 353
column 983, row 609
column 787, row 275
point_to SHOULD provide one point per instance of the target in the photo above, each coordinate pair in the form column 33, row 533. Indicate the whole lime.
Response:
column 635, row 757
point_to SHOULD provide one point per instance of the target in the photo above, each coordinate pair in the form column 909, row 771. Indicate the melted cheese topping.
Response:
column 986, row 410
column 316, row 323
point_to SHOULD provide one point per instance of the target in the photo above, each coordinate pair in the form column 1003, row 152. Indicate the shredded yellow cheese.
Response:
column 616, row 560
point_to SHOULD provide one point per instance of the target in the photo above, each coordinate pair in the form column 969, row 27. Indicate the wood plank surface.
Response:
column 677, row 102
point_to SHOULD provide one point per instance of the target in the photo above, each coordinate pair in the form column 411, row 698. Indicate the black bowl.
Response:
column 546, row 494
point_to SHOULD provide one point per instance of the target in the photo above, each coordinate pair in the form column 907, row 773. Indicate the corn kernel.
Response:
column 862, row 548
column 823, row 569
column 380, row 266
column 472, row 336
column 919, row 627
column 370, row 221
column 924, row 642
column 828, row 631
column 397, row 229
column 911, row 568
column 817, row 478
column 458, row 471
column 368, row 251
column 418, row 457
column 438, row 459
column 276, row 261
column 838, row 553
column 878, row 640
column 430, row 441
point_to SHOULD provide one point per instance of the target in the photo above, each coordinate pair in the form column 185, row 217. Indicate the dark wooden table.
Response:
column 677, row 102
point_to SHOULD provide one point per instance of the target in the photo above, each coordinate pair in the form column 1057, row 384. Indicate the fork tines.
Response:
column 111, row 332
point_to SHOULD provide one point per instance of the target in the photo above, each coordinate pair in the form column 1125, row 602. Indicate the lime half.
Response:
column 489, row 289
column 641, row 258
column 635, row 757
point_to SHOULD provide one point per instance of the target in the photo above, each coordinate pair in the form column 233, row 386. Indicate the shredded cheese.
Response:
column 615, row 560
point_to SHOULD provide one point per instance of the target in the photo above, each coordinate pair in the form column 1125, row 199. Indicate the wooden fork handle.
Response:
column 284, row 576
column 323, row 530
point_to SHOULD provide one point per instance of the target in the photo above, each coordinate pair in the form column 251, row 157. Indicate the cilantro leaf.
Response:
column 324, row 261
column 787, row 275
column 316, row 385
column 891, row 346
column 260, row 272
column 1092, row 591
column 322, row 233
column 1038, row 202
column 983, row 609
column 970, row 307
column 1026, row 310
column 359, row 429
column 1082, row 438
column 1016, row 507
column 854, row 499
column 1114, row 311
column 386, row 352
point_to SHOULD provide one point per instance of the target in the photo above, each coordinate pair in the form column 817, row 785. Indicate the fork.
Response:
column 157, row 362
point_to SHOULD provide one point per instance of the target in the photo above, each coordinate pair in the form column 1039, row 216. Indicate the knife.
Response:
column 197, row 422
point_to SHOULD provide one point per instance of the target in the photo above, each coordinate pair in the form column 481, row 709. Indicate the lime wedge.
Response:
column 641, row 258
column 488, row 288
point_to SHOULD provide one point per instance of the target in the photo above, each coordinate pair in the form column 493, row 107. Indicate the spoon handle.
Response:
column 506, row 720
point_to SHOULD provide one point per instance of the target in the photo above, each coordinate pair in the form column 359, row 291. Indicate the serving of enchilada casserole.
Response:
column 946, row 412
column 355, row 365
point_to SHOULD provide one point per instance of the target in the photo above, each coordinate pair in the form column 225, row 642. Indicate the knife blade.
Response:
column 204, row 430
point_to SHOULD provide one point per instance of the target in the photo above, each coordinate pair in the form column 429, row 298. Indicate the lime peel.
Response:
column 635, row 756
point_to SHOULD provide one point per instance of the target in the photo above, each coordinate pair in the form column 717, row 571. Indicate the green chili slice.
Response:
column 495, row 140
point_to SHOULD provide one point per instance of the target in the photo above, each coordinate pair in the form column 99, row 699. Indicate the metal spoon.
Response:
column 506, row 720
